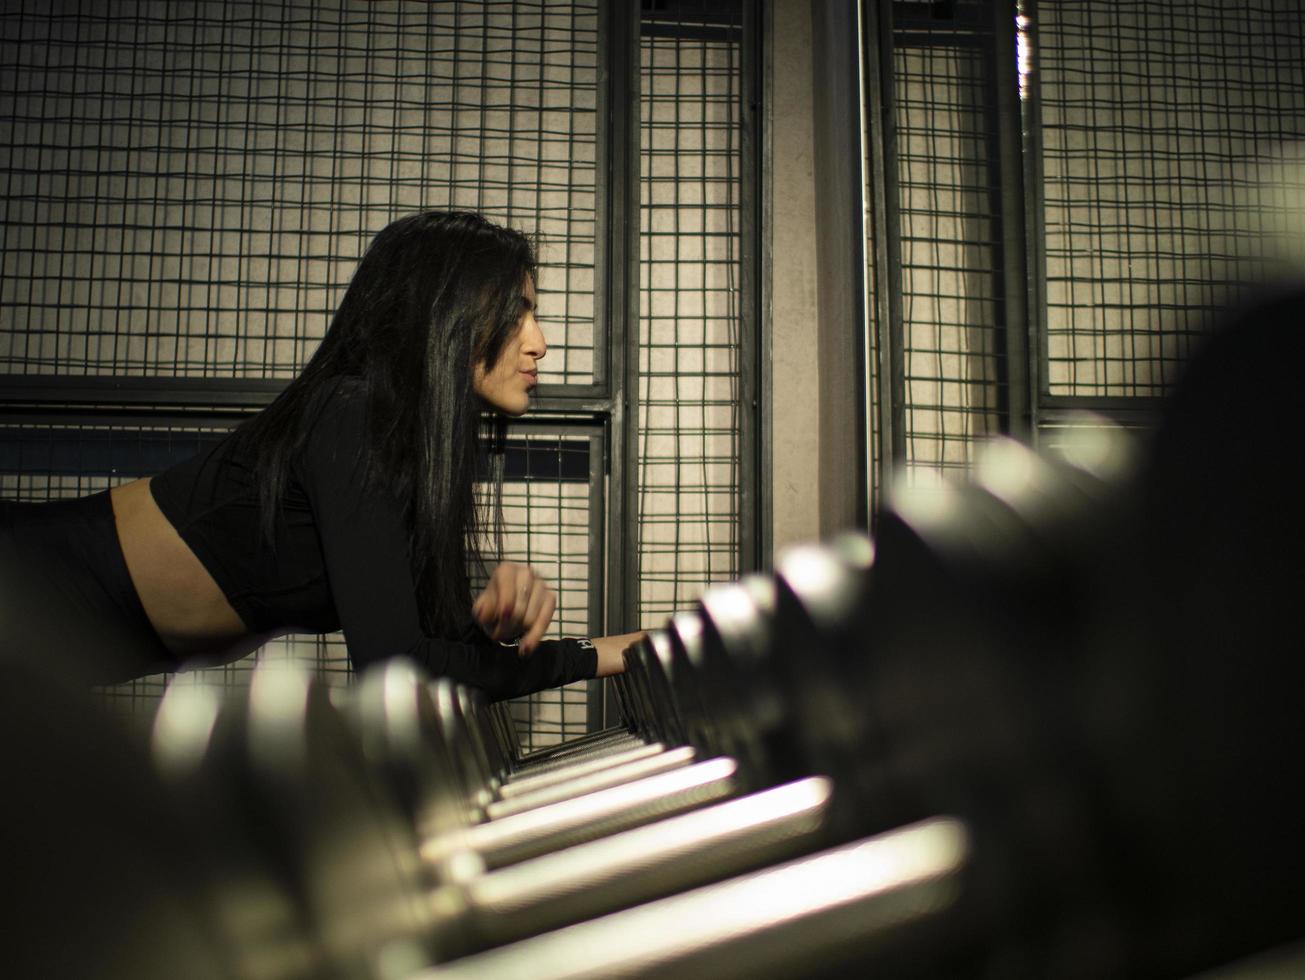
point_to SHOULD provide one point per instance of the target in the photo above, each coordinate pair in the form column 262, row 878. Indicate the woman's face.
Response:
column 506, row 384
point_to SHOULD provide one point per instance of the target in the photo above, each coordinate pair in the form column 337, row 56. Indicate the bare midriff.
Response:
column 185, row 606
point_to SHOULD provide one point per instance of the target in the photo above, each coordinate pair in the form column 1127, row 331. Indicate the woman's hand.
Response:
column 515, row 603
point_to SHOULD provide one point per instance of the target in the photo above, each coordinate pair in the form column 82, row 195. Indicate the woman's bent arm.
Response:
column 365, row 547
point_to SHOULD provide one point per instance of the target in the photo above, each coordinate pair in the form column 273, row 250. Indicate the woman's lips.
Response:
column 532, row 377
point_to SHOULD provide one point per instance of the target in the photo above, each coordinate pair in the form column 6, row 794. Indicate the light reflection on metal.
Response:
column 279, row 693
column 605, row 778
column 646, row 849
column 534, row 832
column 1023, row 51
column 1096, row 445
column 1006, row 469
column 688, row 626
column 642, row 865
column 762, row 590
column 856, row 549
column 797, row 916
column 567, row 760
column 660, row 643
column 184, row 725
column 811, row 569
column 531, row 782
column 279, row 688
column 734, row 605
column 923, row 497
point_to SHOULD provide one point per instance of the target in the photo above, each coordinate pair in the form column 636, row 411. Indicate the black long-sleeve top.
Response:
column 338, row 560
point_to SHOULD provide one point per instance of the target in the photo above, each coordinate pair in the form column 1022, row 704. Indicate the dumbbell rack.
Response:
column 883, row 759
column 389, row 812
column 411, row 836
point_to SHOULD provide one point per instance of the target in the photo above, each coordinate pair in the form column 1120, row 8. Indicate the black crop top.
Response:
column 339, row 561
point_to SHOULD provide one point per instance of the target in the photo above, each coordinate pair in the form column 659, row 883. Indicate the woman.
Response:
column 347, row 503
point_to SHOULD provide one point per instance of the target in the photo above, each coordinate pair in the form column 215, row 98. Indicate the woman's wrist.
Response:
column 611, row 652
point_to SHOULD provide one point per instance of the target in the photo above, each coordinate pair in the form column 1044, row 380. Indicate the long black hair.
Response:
column 435, row 294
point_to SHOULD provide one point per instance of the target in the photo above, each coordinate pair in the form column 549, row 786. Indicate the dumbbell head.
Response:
column 478, row 729
column 736, row 678
column 406, row 743
column 281, row 753
column 823, row 606
column 623, row 692
column 685, row 641
column 277, row 940
column 505, row 730
column 651, row 667
column 1210, row 738
column 923, row 672
column 1056, row 699
column 633, row 698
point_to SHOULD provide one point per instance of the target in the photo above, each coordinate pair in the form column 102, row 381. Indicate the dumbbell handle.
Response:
column 562, row 766
column 614, row 775
column 514, row 786
column 533, row 766
column 585, row 818
column 789, row 920
column 649, row 862
column 593, row 740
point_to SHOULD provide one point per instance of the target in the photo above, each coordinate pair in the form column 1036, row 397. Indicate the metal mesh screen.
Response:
column 949, row 246
column 689, row 306
column 1162, row 123
column 188, row 186
column 550, row 522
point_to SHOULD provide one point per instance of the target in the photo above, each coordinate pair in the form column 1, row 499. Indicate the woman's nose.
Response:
column 532, row 338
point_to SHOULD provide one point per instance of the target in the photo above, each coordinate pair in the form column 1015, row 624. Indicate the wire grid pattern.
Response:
column 547, row 524
column 949, row 246
column 689, row 466
column 1163, row 130
column 136, row 701
column 188, row 185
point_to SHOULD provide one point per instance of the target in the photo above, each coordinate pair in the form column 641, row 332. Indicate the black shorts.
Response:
column 66, row 597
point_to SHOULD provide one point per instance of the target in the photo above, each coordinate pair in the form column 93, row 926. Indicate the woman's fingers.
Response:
column 514, row 593
column 515, row 601
column 538, row 615
column 504, row 580
column 485, row 608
